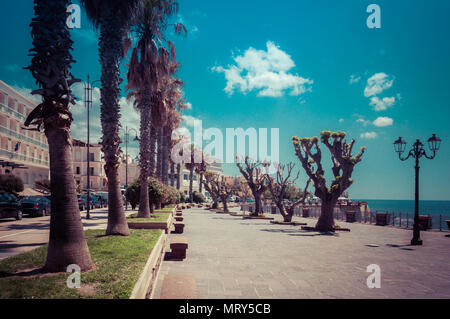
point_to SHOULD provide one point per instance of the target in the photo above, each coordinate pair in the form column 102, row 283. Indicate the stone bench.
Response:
column 179, row 218
column 179, row 227
column 178, row 247
column 179, row 286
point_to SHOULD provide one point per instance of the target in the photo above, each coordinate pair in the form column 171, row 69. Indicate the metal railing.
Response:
column 22, row 137
column 23, row 158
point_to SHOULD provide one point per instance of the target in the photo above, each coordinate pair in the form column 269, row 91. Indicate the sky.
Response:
column 298, row 66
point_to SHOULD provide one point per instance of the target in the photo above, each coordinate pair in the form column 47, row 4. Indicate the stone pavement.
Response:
column 246, row 259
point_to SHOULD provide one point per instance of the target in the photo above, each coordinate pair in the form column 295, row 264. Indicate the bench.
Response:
column 179, row 286
column 179, row 228
column 179, row 219
column 179, row 214
column 178, row 247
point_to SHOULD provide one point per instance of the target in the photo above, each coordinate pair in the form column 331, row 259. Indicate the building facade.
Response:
column 17, row 145
column 97, row 174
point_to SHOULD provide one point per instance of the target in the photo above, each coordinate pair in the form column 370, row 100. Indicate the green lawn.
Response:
column 119, row 262
column 159, row 218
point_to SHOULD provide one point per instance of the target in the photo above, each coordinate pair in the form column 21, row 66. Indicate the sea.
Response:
column 439, row 210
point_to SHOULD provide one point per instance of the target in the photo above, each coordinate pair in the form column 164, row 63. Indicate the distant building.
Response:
column 133, row 172
column 97, row 178
column 20, row 147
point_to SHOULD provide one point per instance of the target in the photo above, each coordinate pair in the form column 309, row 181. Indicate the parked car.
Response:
column 96, row 201
column 36, row 206
column 81, row 203
column 9, row 206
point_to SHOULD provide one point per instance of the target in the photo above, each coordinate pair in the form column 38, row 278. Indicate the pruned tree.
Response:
column 226, row 189
column 279, row 187
column 212, row 187
column 254, row 174
column 310, row 155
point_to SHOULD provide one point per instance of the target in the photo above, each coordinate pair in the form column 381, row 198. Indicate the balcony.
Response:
column 22, row 137
column 23, row 158
column 4, row 108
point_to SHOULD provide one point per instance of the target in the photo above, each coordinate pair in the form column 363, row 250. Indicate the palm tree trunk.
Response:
column 144, row 204
column 200, row 186
column 160, row 154
column 172, row 174
column 165, row 157
column 191, row 185
column 179, row 176
column 67, row 245
column 152, row 151
column 111, row 49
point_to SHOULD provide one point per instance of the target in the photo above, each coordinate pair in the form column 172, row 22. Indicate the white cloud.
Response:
column 188, row 106
column 369, row 135
column 341, row 120
column 189, row 120
column 27, row 93
column 377, row 84
column 363, row 121
column 383, row 122
column 382, row 104
column 266, row 72
column 354, row 79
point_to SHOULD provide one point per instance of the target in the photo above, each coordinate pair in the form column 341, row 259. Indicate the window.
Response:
column 78, row 171
column 92, row 157
column 185, row 177
column 92, row 171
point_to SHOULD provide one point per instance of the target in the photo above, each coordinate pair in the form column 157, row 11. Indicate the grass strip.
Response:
column 118, row 261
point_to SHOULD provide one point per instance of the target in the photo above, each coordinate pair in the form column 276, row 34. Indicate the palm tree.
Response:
column 113, row 18
column 50, row 66
column 149, row 66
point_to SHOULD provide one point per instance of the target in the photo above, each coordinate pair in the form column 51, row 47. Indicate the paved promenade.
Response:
column 235, row 258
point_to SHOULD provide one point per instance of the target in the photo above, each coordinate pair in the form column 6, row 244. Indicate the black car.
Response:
column 9, row 206
column 36, row 206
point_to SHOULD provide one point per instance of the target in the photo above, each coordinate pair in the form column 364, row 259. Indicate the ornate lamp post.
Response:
column 127, row 140
column 88, row 103
column 417, row 151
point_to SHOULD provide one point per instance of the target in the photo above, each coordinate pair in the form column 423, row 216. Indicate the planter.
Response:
column 152, row 225
column 144, row 287
column 305, row 213
column 350, row 216
column 288, row 224
column 257, row 217
column 382, row 219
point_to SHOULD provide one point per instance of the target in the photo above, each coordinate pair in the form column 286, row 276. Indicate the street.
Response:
column 31, row 232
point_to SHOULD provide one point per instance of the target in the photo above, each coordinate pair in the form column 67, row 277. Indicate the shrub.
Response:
column 172, row 196
column 11, row 184
column 133, row 193
column 199, row 198
column 156, row 191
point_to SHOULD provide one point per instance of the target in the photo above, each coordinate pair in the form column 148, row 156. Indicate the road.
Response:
column 21, row 236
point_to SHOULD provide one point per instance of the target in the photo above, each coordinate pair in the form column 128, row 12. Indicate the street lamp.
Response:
column 417, row 151
column 127, row 140
column 88, row 104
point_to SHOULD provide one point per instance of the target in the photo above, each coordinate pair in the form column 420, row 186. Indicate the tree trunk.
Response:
column 287, row 215
column 258, row 208
column 165, row 157
column 225, row 204
column 152, row 151
column 200, row 187
column 67, row 244
column 172, row 174
column 326, row 219
column 146, row 107
column 111, row 50
column 191, row 185
column 160, row 159
column 179, row 176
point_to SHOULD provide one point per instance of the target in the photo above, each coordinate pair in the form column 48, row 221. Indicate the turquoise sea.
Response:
column 406, row 207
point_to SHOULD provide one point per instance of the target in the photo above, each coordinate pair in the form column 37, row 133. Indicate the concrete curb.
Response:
column 144, row 287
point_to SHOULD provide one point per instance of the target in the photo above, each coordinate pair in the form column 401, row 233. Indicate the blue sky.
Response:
column 302, row 67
